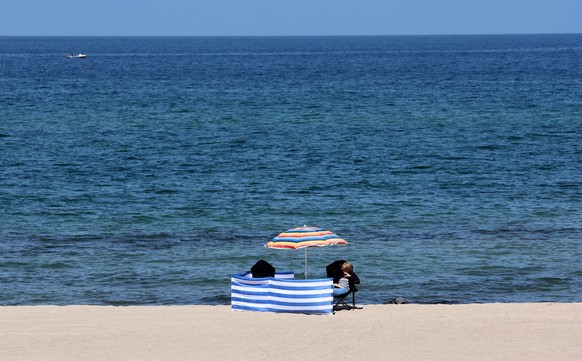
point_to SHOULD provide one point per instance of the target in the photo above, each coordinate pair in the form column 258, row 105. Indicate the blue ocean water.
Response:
column 155, row 168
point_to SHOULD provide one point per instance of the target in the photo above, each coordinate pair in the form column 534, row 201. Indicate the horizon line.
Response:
column 297, row 35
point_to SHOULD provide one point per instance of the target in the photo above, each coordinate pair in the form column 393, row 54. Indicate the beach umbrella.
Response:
column 305, row 237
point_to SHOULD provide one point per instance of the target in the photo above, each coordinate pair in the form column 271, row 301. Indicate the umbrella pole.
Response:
column 305, row 262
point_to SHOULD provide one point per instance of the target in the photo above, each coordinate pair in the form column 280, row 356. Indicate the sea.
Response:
column 154, row 169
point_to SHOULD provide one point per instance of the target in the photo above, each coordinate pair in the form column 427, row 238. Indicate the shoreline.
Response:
column 494, row 331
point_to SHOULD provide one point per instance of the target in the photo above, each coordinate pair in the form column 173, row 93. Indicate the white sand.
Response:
column 501, row 332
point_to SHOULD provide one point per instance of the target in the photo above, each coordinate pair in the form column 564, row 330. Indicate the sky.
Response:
column 287, row 17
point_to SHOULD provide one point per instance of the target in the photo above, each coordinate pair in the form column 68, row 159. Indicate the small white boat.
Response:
column 77, row 56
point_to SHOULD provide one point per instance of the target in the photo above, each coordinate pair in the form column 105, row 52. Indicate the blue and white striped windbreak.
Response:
column 281, row 293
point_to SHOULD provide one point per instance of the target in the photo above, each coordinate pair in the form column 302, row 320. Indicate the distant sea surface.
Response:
column 157, row 167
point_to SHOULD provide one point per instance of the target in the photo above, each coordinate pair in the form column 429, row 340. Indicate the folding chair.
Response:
column 334, row 271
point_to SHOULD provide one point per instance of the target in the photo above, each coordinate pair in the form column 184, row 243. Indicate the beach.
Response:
column 512, row 331
column 153, row 171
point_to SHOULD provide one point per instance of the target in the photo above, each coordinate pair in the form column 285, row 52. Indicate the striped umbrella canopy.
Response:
column 305, row 237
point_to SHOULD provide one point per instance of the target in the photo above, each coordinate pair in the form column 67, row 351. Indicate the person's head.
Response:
column 347, row 267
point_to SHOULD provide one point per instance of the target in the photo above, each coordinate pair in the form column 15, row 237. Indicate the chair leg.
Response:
column 341, row 303
column 354, row 307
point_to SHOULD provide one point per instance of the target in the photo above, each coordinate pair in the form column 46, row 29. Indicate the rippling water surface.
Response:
column 155, row 168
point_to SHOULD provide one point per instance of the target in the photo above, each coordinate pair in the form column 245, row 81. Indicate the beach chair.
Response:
column 333, row 270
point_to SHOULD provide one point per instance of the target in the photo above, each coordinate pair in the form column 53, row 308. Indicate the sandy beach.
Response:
column 528, row 331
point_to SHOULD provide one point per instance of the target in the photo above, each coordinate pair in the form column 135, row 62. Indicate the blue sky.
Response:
column 288, row 17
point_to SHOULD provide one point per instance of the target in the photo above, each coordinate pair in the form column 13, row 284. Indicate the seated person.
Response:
column 345, row 282
column 262, row 269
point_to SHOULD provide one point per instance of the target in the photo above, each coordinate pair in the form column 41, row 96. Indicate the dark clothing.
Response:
column 263, row 269
column 334, row 270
